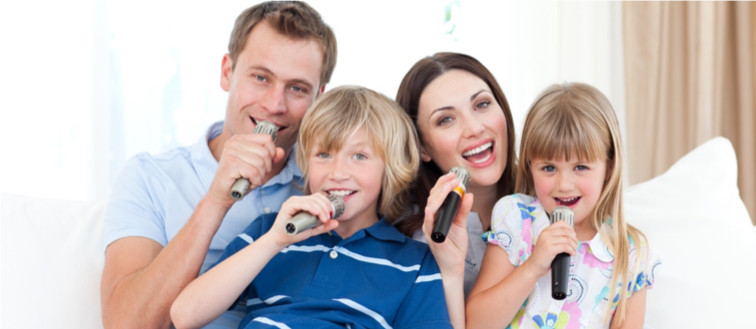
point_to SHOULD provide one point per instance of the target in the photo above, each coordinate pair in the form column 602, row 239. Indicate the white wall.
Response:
column 86, row 84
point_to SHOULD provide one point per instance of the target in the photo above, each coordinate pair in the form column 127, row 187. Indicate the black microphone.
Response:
column 304, row 220
column 239, row 189
column 447, row 212
column 560, row 267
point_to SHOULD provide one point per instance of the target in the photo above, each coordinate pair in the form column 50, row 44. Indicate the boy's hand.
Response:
column 316, row 204
column 557, row 238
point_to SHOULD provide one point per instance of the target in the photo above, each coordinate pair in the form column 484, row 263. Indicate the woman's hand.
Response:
column 316, row 204
column 450, row 254
column 557, row 238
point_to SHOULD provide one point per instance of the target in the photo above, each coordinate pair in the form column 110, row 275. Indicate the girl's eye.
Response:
column 360, row 156
column 549, row 168
column 444, row 121
column 581, row 168
column 483, row 104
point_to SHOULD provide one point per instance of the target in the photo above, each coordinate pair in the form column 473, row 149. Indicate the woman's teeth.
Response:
column 477, row 149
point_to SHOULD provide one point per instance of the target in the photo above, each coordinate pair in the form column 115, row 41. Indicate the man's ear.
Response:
column 226, row 72
column 322, row 89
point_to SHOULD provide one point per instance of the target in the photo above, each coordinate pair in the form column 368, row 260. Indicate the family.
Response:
column 181, row 252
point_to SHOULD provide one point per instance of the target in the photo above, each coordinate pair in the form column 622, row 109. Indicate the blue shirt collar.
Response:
column 382, row 230
column 206, row 165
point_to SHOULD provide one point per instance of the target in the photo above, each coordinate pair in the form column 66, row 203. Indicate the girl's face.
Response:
column 461, row 124
column 572, row 184
column 355, row 173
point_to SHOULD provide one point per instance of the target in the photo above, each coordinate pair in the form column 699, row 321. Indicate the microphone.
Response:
column 304, row 220
column 239, row 189
column 447, row 212
column 560, row 267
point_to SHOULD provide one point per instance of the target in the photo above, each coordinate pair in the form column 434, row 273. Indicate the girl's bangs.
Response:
column 560, row 136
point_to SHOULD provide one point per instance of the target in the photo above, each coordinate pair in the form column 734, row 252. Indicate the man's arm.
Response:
column 141, row 279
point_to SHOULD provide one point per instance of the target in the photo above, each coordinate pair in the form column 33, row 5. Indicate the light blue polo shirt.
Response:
column 154, row 195
column 376, row 278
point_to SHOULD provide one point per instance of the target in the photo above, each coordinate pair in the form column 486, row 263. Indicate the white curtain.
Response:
column 88, row 84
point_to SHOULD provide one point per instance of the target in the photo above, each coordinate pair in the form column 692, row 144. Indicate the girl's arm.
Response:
column 209, row 295
column 636, row 312
column 450, row 255
column 501, row 287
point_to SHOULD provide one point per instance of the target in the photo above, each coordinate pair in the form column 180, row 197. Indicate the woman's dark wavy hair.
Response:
column 414, row 83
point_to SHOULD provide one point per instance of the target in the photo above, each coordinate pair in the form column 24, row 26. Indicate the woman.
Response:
column 463, row 119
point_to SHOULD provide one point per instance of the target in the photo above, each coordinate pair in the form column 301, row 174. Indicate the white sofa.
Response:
column 52, row 255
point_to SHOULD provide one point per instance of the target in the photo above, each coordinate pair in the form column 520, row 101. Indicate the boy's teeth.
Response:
column 477, row 149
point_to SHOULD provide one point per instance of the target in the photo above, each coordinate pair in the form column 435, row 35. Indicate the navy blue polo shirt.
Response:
column 376, row 278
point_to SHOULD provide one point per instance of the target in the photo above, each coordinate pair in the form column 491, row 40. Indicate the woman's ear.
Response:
column 424, row 155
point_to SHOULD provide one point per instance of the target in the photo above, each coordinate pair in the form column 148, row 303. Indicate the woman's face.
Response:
column 461, row 124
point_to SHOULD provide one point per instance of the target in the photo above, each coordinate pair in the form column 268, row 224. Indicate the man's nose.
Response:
column 274, row 100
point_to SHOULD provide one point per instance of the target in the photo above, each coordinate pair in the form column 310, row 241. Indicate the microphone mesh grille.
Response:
column 338, row 206
column 267, row 127
column 563, row 213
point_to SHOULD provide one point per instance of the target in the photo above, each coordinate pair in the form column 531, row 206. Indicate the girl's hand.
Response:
column 316, row 204
column 555, row 239
column 450, row 255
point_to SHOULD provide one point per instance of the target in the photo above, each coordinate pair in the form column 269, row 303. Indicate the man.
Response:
column 171, row 215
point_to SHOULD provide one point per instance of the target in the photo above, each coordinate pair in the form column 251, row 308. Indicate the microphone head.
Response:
column 463, row 175
column 563, row 213
column 267, row 127
column 337, row 206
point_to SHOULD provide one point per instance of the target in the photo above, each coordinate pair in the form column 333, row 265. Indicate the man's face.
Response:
column 276, row 78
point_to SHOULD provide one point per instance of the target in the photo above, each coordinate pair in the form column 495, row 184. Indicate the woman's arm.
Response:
column 450, row 255
column 636, row 312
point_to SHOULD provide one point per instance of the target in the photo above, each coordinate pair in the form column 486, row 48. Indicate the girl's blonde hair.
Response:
column 576, row 119
column 339, row 113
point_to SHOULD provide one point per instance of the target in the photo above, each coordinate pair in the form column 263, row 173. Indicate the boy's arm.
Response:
column 208, row 296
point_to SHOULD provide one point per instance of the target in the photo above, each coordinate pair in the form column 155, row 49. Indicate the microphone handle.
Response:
column 560, row 275
column 445, row 216
column 300, row 222
column 239, row 188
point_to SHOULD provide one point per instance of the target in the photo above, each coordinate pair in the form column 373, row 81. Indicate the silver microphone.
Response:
column 560, row 266
column 304, row 220
column 239, row 189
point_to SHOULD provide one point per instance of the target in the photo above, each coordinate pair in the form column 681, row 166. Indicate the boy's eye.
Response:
column 323, row 155
column 360, row 156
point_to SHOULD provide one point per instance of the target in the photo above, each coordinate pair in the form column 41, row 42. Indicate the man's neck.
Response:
column 216, row 149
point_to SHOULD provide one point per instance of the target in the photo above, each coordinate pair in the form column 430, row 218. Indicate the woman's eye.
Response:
column 483, row 104
column 444, row 121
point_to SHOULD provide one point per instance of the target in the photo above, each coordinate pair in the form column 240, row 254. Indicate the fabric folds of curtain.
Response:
column 690, row 71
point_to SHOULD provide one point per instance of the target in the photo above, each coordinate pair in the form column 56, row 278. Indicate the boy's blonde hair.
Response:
column 576, row 119
column 339, row 113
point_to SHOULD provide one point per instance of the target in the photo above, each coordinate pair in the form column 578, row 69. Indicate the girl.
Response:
column 570, row 155
column 357, row 144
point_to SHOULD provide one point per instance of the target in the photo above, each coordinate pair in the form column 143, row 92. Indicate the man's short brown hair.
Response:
column 294, row 19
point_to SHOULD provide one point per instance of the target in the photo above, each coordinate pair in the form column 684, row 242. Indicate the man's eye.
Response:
column 261, row 78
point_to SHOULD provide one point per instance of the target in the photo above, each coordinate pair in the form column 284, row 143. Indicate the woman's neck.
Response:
column 485, row 199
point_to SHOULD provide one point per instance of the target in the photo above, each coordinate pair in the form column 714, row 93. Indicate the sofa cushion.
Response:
column 52, row 261
column 695, row 219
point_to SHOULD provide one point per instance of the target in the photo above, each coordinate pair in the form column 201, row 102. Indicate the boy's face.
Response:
column 276, row 78
column 355, row 173
column 574, row 184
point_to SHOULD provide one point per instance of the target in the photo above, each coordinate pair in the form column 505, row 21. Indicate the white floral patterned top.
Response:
column 516, row 223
